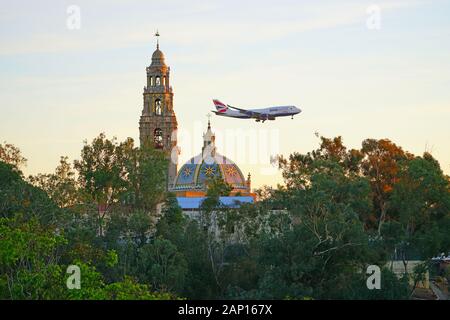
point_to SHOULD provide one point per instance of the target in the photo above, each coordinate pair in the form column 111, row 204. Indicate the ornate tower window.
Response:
column 158, row 108
column 158, row 81
column 151, row 82
column 158, row 138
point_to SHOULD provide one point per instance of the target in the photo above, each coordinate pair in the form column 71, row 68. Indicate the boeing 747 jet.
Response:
column 261, row 114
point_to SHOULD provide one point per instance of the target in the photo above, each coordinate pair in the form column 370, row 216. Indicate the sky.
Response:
column 359, row 69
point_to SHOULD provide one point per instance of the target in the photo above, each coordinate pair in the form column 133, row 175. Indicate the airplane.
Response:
column 262, row 114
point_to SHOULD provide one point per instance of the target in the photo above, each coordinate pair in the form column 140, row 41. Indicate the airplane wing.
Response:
column 249, row 112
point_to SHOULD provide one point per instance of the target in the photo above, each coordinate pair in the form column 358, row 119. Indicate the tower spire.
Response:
column 209, row 120
column 157, row 39
column 209, row 148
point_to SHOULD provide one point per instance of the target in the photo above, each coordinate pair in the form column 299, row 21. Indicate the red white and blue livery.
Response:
column 260, row 114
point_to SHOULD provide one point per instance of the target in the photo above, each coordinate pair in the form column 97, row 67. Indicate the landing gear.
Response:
column 292, row 117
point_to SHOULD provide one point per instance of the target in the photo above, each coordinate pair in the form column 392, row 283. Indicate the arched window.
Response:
column 164, row 81
column 158, row 138
column 158, row 81
column 151, row 81
column 158, row 108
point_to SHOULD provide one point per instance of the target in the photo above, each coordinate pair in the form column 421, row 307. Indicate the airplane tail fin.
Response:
column 221, row 107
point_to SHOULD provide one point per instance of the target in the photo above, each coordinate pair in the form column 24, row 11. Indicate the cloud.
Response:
column 197, row 24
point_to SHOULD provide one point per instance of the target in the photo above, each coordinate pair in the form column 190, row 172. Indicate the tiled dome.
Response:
column 194, row 173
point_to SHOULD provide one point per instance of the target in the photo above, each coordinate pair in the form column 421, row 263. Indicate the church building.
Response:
column 158, row 125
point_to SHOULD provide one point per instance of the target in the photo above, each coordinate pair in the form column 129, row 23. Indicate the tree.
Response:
column 324, row 203
column 12, row 155
column 381, row 166
column 211, row 212
column 35, row 251
column 93, row 287
column 296, row 169
column 18, row 196
column 189, row 237
column 162, row 265
column 101, row 175
column 173, row 222
column 146, row 180
column 338, row 211
column 60, row 186
column 130, row 289
column 200, row 280
column 113, row 174
column 419, row 209
column 378, row 161
column 29, row 259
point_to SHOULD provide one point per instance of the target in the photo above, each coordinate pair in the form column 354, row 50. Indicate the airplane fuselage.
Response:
column 262, row 113
column 259, row 114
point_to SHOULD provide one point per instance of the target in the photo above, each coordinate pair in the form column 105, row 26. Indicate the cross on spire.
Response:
column 209, row 120
column 157, row 39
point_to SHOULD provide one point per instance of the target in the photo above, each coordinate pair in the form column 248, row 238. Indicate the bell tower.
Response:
column 158, row 122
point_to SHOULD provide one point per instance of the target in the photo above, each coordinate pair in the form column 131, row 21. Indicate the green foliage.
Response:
column 100, row 170
column 28, row 260
column 11, row 155
column 9, row 174
column 145, row 170
column 40, row 238
column 162, row 265
column 18, row 196
column 61, row 186
column 420, row 207
column 326, row 202
column 339, row 211
column 112, row 174
column 129, row 289
column 392, row 288
column 173, row 222
column 93, row 287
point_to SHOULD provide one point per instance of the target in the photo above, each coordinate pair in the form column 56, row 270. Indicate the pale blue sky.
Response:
column 60, row 86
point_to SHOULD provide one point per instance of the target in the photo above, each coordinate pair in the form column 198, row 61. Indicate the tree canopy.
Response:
column 109, row 213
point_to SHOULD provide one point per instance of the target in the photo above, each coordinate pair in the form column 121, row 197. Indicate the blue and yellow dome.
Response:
column 194, row 173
